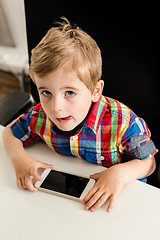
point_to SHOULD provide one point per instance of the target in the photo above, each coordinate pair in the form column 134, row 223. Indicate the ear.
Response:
column 97, row 91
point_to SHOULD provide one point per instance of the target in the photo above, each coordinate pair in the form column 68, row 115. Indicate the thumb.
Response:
column 112, row 202
column 95, row 176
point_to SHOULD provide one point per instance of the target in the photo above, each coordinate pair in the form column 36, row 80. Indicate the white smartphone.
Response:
column 64, row 184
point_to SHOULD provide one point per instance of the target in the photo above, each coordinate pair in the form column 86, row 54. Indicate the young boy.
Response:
column 74, row 118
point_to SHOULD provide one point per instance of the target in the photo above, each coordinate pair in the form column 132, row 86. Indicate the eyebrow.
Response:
column 67, row 87
column 41, row 88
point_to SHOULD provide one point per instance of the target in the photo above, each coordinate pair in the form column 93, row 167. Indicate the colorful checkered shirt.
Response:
column 103, row 139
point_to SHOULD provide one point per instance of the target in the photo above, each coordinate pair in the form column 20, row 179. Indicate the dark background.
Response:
column 129, row 53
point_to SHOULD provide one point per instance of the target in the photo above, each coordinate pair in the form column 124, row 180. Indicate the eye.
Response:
column 69, row 93
column 46, row 93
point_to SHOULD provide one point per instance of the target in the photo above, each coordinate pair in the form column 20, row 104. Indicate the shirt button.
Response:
column 100, row 158
column 75, row 137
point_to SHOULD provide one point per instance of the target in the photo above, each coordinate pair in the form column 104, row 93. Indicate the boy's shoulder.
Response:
column 36, row 114
column 37, row 111
column 118, row 109
column 109, row 113
column 37, row 108
column 38, row 119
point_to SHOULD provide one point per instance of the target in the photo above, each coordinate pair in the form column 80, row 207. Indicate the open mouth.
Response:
column 64, row 119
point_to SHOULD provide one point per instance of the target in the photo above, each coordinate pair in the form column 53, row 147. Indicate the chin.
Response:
column 65, row 129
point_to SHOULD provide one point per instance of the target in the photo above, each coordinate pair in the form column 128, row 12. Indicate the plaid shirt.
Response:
column 103, row 139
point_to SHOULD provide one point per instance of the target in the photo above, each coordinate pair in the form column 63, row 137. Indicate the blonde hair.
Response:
column 64, row 43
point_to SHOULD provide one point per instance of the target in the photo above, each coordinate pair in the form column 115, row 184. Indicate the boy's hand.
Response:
column 27, row 172
column 108, row 185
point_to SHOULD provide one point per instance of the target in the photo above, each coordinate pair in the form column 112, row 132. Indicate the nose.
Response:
column 57, row 104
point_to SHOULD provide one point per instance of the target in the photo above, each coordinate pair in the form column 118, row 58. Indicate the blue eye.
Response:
column 69, row 94
column 46, row 93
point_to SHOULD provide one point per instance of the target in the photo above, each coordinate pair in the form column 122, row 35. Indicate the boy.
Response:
column 74, row 118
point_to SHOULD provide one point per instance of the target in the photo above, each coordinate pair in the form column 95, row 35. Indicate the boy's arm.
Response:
column 110, row 182
column 136, row 148
column 25, row 166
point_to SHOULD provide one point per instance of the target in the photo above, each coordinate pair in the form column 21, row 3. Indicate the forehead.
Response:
column 61, row 78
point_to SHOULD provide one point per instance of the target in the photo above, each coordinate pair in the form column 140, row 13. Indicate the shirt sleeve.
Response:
column 22, row 130
column 136, row 142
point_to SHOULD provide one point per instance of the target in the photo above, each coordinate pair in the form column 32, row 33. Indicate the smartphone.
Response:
column 64, row 184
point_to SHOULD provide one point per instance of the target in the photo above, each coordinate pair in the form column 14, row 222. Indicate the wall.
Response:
column 14, row 59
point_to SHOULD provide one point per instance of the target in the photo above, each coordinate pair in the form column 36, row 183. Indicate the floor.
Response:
column 10, row 83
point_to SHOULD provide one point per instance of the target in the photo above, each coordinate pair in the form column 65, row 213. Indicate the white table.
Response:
column 35, row 216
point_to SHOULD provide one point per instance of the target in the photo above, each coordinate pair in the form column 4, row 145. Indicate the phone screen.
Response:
column 65, row 183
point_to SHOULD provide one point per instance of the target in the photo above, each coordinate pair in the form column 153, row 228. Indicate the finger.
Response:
column 19, row 183
column 40, row 169
column 45, row 165
column 95, row 176
column 89, row 194
column 23, row 182
column 93, row 200
column 34, row 174
column 112, row 201
column 100, row 202
column 37, row 171
column 29, row 184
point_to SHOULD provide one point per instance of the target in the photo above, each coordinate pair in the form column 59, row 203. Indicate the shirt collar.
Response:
column 96, row 115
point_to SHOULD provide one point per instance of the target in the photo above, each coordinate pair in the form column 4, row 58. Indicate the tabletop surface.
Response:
column 25, row 215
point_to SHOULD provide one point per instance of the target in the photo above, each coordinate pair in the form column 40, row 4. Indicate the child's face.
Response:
column 65, row 99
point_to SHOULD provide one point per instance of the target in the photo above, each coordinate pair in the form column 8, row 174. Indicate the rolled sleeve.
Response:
column 21, row 129
column 136, row 142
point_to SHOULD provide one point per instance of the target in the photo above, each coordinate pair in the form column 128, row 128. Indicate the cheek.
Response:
column 82, row 108
column 85, row 103
column 45, row 105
